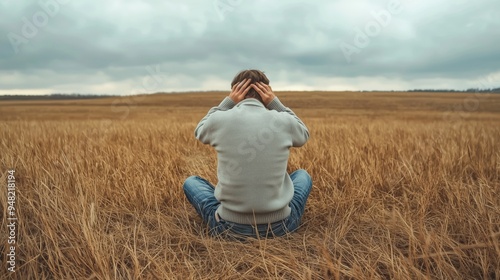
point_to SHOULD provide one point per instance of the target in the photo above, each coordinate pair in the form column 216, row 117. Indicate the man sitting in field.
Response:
column 252, row 132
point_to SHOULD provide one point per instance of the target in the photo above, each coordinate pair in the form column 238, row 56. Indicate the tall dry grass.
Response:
column 396, row 195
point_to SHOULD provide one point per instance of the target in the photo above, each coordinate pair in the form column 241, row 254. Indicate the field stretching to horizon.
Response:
column 405, row 186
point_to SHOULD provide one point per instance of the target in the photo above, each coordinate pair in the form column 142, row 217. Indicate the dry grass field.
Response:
column 405, row 186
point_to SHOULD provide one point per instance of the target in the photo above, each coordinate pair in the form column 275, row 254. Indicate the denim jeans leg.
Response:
column 200, row 193
column 302, row 184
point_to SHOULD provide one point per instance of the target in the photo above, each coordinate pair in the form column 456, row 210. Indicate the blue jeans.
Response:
column 200, row 194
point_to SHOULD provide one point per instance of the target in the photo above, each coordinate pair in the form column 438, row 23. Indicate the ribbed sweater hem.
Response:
column 253, row 218
column 276, row 104
column 226, row 104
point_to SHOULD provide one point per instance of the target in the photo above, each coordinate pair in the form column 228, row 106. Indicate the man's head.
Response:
column 254, row 76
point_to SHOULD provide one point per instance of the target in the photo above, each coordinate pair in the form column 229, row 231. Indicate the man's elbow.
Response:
column 302, row 139
column 197, row 133
column 202, row 137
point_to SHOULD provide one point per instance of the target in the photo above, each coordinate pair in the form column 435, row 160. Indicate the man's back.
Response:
column 252, row 145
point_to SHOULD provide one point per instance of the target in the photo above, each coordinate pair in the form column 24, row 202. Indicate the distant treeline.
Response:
column 66, row 96
column 55, row 96
column 495, row 90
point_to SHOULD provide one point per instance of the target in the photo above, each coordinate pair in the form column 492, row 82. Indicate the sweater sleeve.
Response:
column 298, row 129
column 203, row 128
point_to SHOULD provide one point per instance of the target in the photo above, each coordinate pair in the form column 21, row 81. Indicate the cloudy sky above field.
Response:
column 135, row 46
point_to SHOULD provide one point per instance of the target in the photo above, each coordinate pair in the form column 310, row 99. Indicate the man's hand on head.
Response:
column 239, row 90
column 265, row 91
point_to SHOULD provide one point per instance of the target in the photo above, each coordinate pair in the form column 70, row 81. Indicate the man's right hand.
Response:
column 239, row 90
column 265, row 91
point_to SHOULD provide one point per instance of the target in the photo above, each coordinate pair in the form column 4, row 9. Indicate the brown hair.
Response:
column 255, row 76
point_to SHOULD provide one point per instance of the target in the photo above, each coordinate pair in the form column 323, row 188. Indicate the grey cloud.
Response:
column 99, row 42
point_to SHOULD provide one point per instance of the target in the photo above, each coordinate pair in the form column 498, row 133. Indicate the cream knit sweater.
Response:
column 252, row 144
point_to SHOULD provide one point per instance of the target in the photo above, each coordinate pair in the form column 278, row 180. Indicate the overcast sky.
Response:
column 134, row 46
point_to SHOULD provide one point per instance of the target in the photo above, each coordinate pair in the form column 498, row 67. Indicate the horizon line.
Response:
column 470, row 90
